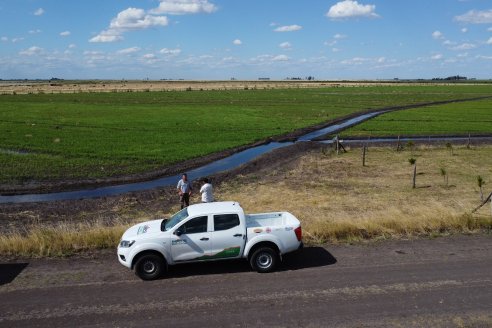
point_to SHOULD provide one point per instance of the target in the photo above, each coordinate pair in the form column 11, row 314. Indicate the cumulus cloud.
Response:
column 285, row 45
column 489, row 41
column 39, row 12
column 65, row 33
column 464, row 46
column 128, row 20
column 350, row 9
column 280, row 58
column 183, row 7
column 35, row 31
column 464, row 30
column 32, row 51
column 339, row 36
column 476, row 17
column 237, row 42
column 170, row 52
column 149, row 56
column 437, row 35
column 437, row 56
column 128, row 51
column 288, row 28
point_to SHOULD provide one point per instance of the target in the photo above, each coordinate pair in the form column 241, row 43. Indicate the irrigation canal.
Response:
column 221, row 165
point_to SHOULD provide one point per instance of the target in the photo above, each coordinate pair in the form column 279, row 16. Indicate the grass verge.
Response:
column 335, row 197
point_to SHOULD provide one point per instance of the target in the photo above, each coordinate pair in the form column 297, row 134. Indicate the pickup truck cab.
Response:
column 206, row 232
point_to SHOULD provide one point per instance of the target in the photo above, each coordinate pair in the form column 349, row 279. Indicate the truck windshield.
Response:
column 176, row 218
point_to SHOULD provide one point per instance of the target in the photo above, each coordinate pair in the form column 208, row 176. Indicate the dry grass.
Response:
column 61, row 240
column 337, row 199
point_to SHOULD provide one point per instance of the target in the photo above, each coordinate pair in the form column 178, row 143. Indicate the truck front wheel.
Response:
column 150, row 267
column 264, row 259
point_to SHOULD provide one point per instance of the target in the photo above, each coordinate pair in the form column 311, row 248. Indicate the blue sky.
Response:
column 245, row 39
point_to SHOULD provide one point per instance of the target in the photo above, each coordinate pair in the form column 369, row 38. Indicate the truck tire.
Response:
column 264, row 260
column 150, row 267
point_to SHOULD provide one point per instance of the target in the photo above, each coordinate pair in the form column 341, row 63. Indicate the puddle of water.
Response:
column 13, row 152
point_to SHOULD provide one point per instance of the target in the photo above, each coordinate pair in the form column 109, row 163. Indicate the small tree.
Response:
column 413, row 162
column 449, row 146
column 444, row 175
column 480, row 183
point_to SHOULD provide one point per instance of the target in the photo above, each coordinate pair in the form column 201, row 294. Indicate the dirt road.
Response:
column 442, row 282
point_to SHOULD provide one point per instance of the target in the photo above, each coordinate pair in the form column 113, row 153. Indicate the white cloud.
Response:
column 339, row 36
column 437, row 56
column 351, row 9
column 489, row 41
column 280, row 58
column 489, row 29
column 476, row 17
column 285, row 45
column 65, row 33
column 72, row 46
column 464, row 46
column 35, row 31
column 34, row 50
column 170, row 52
column 183, row 7
column 15, row 40
column 237, row 42
column 288, row 28
column 39, row 12
column 4, row 39
column 437, row 35
column 149, row 56
column 128, row 20
column 464, row 30
column 448, row 43
column 128, row 51
column 106, row 36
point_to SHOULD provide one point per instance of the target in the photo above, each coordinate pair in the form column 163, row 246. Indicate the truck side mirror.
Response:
column 178, row 232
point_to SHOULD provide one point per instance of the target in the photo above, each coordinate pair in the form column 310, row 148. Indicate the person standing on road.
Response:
column 184, row 190
column 207, row 191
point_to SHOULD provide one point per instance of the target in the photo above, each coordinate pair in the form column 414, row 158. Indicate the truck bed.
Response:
column 272, row 219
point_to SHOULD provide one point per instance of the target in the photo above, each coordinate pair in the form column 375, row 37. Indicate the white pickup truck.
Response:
column 209, row 231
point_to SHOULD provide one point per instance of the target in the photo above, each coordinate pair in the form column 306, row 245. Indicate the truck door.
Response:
column 228, row 236
column 193, row 243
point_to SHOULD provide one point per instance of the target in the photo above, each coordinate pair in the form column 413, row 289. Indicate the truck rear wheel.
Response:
column 150, row 267
column 264, row 259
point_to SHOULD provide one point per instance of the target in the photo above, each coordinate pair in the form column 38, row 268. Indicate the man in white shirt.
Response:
column 207, row 191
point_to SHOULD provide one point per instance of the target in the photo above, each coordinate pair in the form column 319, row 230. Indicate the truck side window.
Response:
column 225, row 221
column 196, row 225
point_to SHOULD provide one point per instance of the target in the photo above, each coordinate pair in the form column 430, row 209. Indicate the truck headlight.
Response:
column 127, row 243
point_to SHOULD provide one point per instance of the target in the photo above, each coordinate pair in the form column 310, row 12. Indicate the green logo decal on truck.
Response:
column 225, row 253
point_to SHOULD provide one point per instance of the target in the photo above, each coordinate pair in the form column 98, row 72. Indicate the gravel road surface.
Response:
column 443, row 282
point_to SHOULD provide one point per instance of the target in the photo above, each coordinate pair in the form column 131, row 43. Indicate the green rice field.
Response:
column 97, row 135
column 464, row 118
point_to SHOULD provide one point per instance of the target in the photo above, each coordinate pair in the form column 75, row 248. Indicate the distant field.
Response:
column 459, row 118
column 97, row 135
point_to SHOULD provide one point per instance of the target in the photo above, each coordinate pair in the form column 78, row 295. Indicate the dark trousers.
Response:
column 185, row 200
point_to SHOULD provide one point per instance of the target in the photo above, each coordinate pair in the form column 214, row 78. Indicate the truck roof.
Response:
column 214, row 207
